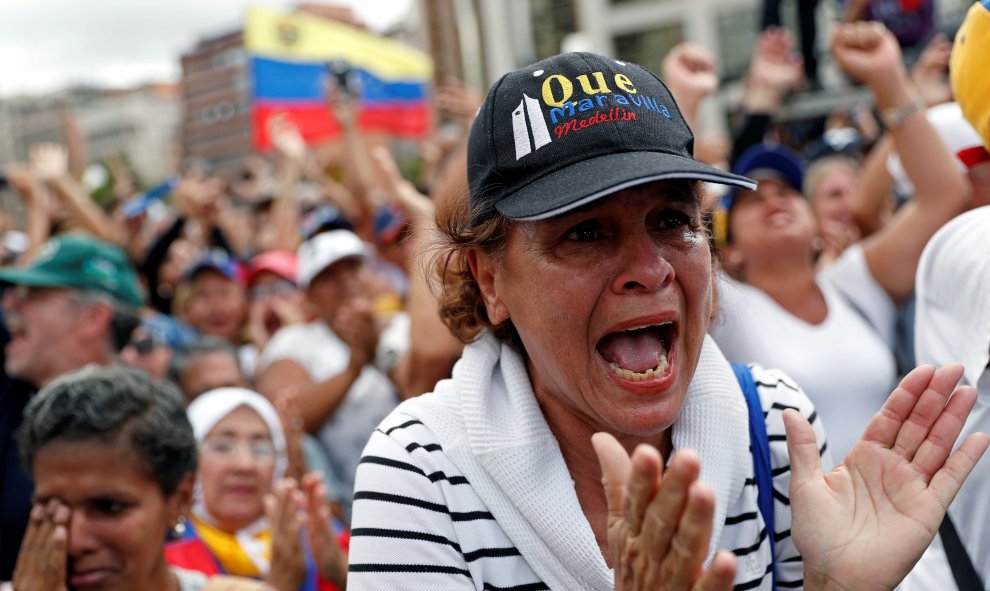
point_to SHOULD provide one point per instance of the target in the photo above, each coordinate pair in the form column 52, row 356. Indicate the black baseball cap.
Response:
column 573, row 128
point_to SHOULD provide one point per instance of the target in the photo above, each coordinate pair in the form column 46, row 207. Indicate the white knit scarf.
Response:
column 490, row 425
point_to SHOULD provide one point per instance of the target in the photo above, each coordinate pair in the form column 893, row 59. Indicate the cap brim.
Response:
column 32, row 278
column 306, row 276
column 584, row 182
column 198, row 268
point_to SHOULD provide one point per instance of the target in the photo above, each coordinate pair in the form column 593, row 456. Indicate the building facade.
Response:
column 216, row 101
column 138, row 124
column 497, row 36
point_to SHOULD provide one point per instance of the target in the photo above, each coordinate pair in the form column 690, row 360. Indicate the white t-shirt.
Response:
column 844, row 364
column 372, row 396
column 970, row 514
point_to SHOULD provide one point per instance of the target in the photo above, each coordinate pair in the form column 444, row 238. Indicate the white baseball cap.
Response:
column 956, row 132
column 325, row 249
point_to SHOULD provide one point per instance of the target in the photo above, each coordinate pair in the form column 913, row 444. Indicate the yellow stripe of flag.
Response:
column 298, row 36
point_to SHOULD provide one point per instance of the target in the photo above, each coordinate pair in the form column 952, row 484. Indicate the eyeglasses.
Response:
column 144, row 346
column 262, row 451
column 24, row 293
column 261, row 292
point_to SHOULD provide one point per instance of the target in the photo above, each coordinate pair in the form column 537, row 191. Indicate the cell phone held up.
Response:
column 341, row 76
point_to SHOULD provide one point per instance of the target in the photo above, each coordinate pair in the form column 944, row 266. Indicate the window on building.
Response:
column 552, row 21
column 647, row 48
column 737, row 33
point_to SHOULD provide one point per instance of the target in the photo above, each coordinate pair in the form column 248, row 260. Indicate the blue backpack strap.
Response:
column 758, row 440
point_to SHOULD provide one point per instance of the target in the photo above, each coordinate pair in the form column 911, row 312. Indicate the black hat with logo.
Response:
column 573, row 128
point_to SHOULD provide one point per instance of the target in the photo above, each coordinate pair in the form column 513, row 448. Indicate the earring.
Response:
column 818, row 244
column 179, row 529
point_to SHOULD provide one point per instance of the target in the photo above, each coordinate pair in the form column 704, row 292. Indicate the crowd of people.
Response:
column 625, row 356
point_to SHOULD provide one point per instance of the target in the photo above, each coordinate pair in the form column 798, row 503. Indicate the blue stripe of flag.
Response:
column 277, row 80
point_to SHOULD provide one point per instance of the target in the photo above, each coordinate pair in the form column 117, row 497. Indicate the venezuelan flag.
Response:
column 288, row 55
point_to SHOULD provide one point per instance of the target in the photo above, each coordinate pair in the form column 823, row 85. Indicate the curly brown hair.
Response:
column 462, row 306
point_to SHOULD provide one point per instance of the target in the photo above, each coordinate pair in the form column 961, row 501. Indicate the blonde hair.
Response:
column 821, row 168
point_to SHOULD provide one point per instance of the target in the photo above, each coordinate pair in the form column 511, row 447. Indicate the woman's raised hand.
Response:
column 42, row 560
column 866, row 523
column 283, row 507
column 331, row 561
column 659, row 524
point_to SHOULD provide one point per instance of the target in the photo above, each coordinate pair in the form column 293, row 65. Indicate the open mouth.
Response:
column 638, row 353
column 14, row 324
column 780, row 218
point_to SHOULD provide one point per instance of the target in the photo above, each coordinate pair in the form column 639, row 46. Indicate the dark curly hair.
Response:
column 117, row 406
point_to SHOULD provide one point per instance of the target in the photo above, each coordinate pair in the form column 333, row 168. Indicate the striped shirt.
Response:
column 419, row 524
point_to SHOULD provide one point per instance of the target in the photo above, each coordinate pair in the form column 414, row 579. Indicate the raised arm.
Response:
column 870, row 53
column 50, row 164
column 285, row 210
column 35, row 198
column 318, row 400
column 356, row 160
column 873, row 204
column 689, row 70
column 432, row 349
column 774, row 70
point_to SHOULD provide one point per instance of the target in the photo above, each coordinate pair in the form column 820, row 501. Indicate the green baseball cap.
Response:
column 80, row 262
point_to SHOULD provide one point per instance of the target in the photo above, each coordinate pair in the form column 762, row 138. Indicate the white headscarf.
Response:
column 204, row 413
column 953, row 295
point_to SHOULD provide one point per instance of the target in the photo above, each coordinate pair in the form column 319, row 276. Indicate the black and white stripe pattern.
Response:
column 418, row 523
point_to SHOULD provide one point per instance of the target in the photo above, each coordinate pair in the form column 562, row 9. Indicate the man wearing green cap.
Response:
column 74, row 305
column 64, row 310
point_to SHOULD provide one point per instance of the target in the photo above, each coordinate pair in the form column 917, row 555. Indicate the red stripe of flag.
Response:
column 317, row 123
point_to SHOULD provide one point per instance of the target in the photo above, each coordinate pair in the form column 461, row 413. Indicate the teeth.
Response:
column 649, row 374
column 647, row 326
column 14, row 324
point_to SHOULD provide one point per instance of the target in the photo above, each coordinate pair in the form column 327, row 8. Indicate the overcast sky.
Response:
column 47, row 44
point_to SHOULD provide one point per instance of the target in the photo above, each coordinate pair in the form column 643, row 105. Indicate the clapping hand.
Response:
column 43, row 559
column 294, row 427
column 867, row 522
column 283, row 508
column 659, row 523
column 331, row 561
column 355, row 324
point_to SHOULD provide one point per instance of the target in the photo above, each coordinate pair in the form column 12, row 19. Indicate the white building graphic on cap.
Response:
column 529, row 127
